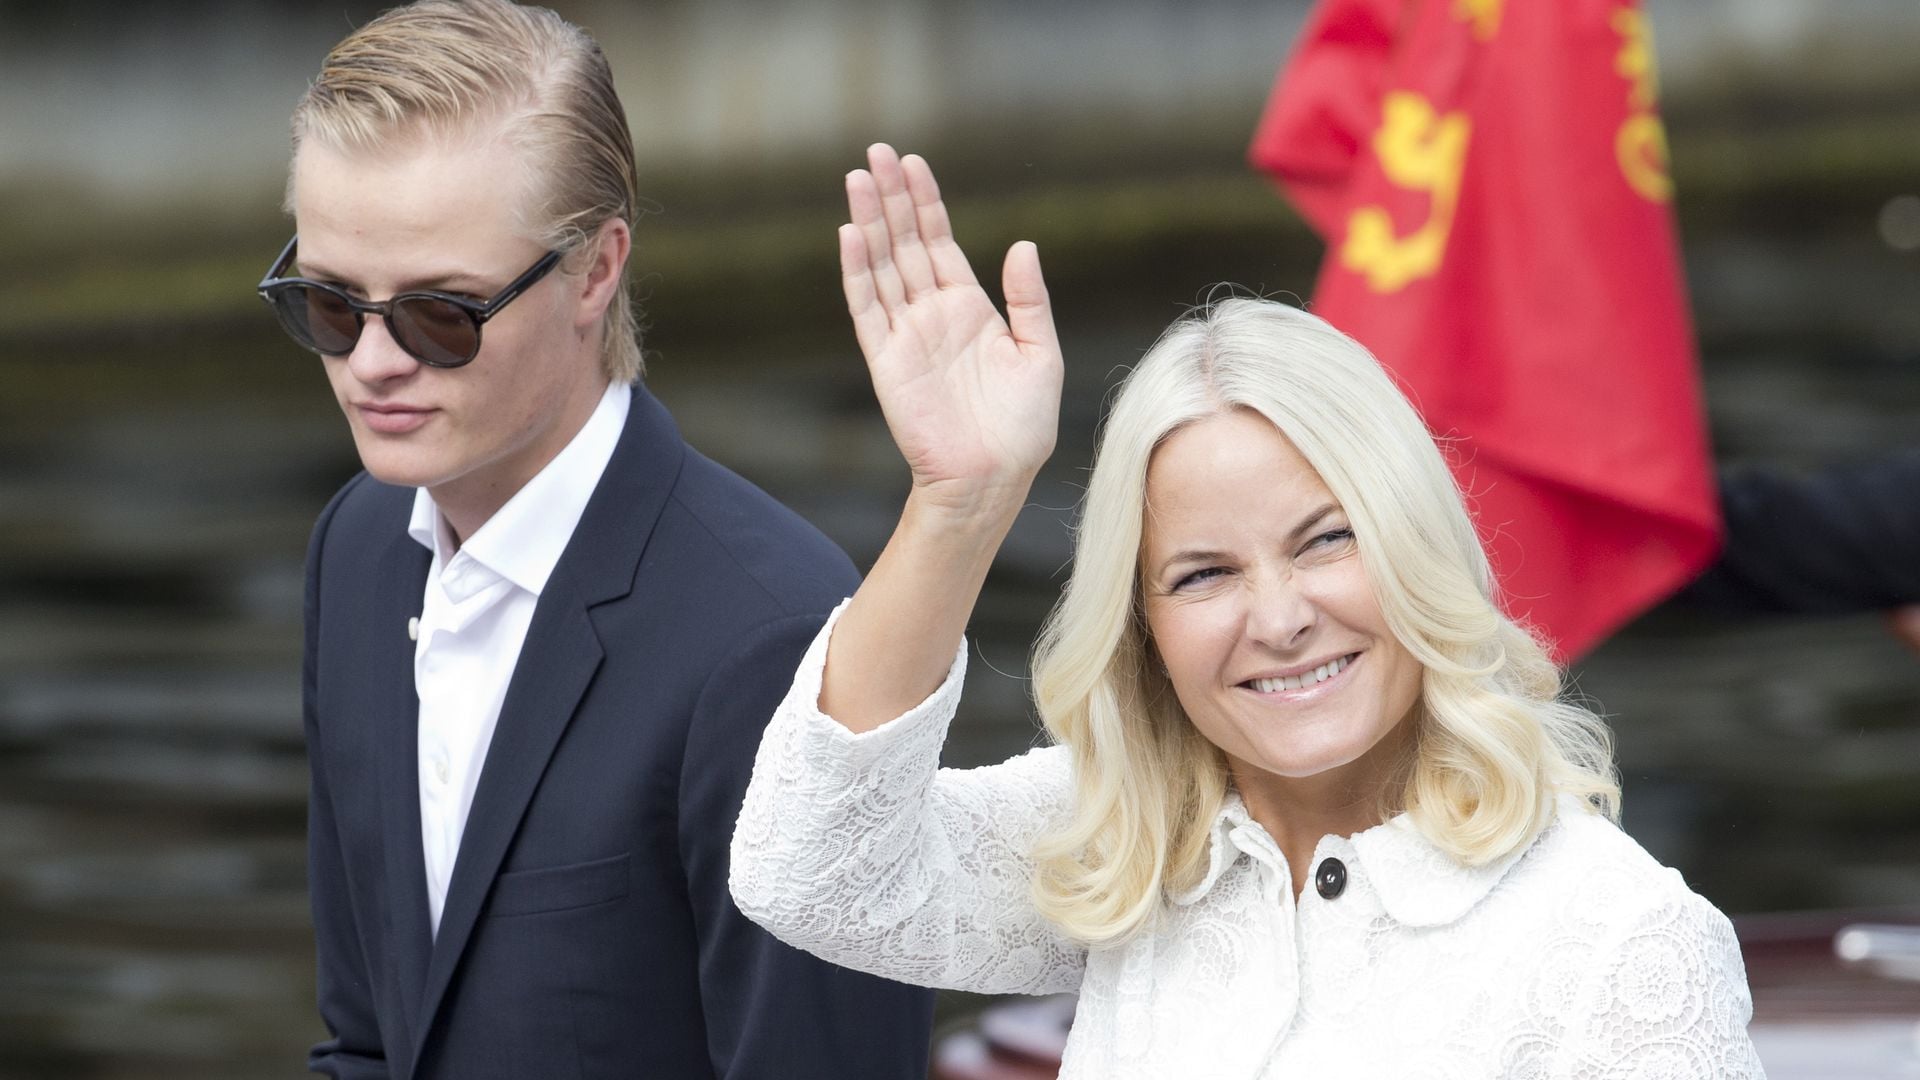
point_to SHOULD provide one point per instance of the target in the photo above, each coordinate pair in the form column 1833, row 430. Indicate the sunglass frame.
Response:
column 478, row 311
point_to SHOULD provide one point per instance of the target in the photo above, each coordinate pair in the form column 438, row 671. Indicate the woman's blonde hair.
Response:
column 1493, row 740
column 446, row 67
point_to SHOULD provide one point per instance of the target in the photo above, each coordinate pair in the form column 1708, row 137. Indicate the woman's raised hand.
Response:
column 972, row 399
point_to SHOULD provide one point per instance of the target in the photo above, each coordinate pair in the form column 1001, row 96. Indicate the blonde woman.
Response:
column 1314, row 801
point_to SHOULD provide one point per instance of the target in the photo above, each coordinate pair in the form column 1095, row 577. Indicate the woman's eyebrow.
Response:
column 1192, row 555
column 1312, row 521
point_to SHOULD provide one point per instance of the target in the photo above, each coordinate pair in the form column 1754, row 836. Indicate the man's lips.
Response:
column 389, row 418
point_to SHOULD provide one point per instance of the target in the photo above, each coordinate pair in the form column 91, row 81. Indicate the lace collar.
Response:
column 1418, row 883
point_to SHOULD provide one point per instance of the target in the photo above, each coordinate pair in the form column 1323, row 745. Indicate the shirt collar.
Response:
column 523, row 540
column 1418, row 883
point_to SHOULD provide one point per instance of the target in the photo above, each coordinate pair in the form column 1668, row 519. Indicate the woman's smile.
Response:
column 1310, row 684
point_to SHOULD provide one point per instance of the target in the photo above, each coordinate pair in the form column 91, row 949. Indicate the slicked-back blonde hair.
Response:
column 441, row 68
column 1493, row 741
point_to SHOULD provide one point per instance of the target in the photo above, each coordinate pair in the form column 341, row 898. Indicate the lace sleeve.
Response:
column 1667, row 997
column 860, row 850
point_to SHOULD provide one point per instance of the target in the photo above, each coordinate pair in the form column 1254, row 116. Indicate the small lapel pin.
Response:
column 413, row 628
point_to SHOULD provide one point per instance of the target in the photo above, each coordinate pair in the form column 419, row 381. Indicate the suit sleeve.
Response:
column 354, row 1052
column 1844, row 540
column 772, row 1010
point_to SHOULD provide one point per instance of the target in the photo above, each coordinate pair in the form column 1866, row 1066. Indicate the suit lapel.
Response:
column 557, row 663
column 394, row 723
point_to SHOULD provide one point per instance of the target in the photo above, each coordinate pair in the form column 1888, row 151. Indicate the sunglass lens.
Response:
column 317, row 319
column 435, row 331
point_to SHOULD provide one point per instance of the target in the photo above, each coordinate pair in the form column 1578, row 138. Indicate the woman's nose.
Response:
column 1280, row 613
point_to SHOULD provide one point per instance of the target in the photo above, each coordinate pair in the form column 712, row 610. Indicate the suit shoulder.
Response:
column 767, row 546
column 363, row 508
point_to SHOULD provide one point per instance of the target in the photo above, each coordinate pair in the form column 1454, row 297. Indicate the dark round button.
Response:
column 1331, row 879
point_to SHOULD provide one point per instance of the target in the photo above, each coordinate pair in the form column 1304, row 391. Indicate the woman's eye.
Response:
column 1328, row 543
column 1199, row 577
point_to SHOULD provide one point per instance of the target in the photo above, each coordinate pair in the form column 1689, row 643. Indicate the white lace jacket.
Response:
column 1579, row 958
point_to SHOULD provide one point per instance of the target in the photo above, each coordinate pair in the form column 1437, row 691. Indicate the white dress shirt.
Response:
column 1576, row 958
column 478, row 603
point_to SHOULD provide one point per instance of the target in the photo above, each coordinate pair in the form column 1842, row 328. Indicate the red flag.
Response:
column 1491, row 181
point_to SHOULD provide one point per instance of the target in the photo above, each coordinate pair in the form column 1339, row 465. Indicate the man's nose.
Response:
column 1280, row 613
column 376, row 357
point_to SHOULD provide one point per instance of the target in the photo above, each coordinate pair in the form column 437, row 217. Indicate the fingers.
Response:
column 909, row 251
column 864, row 211
column 1029, row 311
column 870, row 322
column 950, row 266
column 896, row 205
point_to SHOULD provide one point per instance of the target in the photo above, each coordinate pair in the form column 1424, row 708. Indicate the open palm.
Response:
column 972, row 399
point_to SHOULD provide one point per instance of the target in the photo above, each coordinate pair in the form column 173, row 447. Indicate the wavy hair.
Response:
column 444, row 67
column 1494, row 738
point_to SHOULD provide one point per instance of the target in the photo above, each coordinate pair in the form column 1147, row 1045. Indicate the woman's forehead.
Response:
column 1226, row 459
column 1229, row 480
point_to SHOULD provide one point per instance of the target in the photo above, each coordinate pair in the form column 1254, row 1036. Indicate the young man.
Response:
column 543, row 634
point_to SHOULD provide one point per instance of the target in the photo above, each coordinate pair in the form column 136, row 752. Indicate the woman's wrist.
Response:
column 895, row 642
column 967, row 513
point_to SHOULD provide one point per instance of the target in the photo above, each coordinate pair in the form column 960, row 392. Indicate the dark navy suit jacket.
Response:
column 587, row 931
column 1844, row 540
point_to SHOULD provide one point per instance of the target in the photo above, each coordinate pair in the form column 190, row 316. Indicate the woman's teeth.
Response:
column 1294, row 682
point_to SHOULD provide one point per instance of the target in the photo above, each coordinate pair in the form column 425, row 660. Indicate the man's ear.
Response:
column 607, row 256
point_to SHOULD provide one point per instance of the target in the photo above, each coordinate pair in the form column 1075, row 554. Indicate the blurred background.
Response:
column 164, row 448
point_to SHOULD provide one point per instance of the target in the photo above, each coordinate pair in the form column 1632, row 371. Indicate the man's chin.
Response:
column 403, row 469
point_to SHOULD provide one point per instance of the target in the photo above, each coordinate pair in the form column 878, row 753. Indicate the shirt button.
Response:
column 1331, row 879
column 440, row 768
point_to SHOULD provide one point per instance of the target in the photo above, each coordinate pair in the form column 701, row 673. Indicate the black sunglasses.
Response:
column 438, row 329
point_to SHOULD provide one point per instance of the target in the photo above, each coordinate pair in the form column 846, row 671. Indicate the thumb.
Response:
column 1029, row 312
